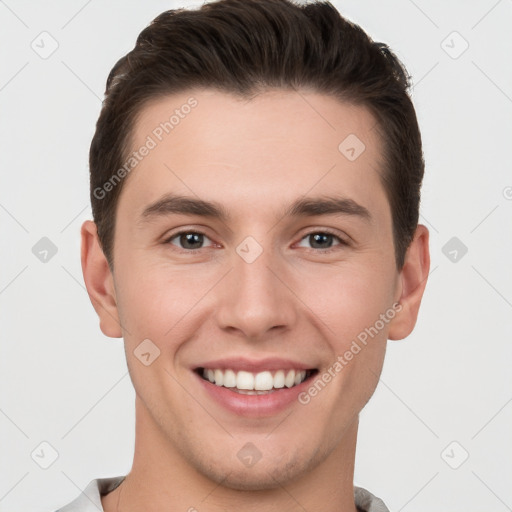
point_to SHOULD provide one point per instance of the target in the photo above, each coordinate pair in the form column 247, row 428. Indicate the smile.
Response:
column 249, row 383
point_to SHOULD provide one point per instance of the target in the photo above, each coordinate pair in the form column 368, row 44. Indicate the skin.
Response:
column 294, row 301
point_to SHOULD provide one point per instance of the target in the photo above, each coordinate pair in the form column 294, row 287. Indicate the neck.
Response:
column 162, row 479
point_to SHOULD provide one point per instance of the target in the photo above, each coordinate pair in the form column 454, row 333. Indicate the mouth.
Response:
column 255, row 383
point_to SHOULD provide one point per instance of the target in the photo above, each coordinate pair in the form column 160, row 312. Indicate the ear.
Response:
column 99, row 281
column 412, row 282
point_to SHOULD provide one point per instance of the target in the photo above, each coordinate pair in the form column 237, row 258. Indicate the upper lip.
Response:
column 254, row 365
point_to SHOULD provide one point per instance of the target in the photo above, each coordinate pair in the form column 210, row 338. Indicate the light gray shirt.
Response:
column 90, row 499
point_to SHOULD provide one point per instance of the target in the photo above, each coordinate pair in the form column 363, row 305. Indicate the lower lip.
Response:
column 255, row 406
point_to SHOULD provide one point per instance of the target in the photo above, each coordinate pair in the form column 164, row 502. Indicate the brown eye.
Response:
column 323, row 240
column 188, row 240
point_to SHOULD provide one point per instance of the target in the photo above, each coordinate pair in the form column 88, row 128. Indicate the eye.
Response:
column 188, row 240
column 193, row 240
column 323, row 240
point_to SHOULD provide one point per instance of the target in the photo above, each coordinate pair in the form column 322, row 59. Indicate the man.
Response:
column 255, row 184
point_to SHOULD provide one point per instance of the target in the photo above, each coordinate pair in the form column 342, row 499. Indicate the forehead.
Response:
column 217, row 146
column 296, row 117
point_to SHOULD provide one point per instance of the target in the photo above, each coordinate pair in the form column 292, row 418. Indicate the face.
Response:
column 269, row 270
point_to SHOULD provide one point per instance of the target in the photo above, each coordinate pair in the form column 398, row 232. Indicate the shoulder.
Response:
column 366, row 502
column 89, row 499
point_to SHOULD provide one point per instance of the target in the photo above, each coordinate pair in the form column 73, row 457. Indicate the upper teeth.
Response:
column 261, row 381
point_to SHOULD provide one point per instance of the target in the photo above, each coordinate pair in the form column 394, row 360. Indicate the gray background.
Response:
column 445, row 392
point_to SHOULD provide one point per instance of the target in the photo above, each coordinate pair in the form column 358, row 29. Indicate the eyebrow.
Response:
column 307, row 207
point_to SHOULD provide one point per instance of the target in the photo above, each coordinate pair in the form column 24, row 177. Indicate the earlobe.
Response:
column 99, row 281
column 413, row 279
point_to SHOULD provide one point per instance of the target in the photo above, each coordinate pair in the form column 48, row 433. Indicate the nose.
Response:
column 256, row 297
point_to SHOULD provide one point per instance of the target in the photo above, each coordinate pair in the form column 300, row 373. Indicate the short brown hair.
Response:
column 244, row 47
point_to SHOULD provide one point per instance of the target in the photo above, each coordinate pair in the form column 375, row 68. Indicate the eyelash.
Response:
column 342, row 242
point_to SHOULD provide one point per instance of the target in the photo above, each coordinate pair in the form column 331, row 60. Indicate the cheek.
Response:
column 349, row 299
column 154, row 299
column 361, row 308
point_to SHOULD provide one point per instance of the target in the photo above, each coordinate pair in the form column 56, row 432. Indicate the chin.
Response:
column 264, row 475
column 251, row 479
